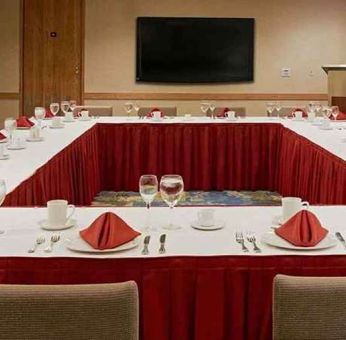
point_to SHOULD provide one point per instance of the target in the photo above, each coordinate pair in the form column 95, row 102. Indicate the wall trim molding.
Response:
column 9, row 96
column 202, row 96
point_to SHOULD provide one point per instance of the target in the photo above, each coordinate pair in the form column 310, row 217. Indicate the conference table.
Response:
column 204, row 287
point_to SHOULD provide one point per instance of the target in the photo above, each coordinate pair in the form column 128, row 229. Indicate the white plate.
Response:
column 217, row 225
column 29, row 139
column 4, row 157
column 276, row 241
column 4, row 140
column 56, row 127
column 69, row 224
column 277, row 219
column 326, row 128
column 84, row 120
column 298, row 119
column 23, row 128
column 12, row 147
column 69, row 121
column 79, row 245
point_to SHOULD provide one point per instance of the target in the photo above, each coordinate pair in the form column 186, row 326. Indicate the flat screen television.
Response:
column 195, row 50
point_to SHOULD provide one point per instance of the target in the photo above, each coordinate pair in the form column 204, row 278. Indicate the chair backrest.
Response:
column 55, row 312
column 167, row 111
column 94, row 110
column 239, row 111
column 309, row 308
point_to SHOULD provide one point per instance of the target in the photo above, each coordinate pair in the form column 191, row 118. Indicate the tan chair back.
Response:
column 167, row 111
column 94, row 110
column 239, row 111
column 55, row 312
column 309, row 308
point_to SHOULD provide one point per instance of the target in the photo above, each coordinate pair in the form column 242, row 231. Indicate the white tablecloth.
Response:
column 24, row 163
column 21, row 229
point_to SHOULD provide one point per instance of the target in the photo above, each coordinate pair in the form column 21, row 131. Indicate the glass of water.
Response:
column 148, row 188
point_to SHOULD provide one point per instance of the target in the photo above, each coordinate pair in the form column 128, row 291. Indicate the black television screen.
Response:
column 195, row 50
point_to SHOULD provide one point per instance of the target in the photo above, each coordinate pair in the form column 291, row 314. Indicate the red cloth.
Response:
column 303, row 230
column 24, row 121
column 108, row 231
column 340, row 116
column 222, row 114
column 2, row 136
column 48, row 114
column 150, row 113
column 292, row 114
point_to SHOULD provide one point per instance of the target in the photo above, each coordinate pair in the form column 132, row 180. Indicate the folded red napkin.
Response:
column 303, row 230
column 108, row 231
column 48, row 114
column 150, row 113
column 222, row 114
column 24, row 121
column 341, row 116
column 2, row 136
column 292, row 114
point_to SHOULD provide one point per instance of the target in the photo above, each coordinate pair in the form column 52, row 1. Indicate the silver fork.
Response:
column 162, row 249
column 240, row 239
column 252, row 238
column 145, row 250
column 38, row 241
column 54, row 239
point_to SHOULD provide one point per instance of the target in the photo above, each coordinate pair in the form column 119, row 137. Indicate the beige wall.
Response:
column 9, row 54
column 301, row 34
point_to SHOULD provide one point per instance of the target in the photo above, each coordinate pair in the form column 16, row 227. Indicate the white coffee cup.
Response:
column 57, row 212
column 230, row 114
column 156, row 115
column 206, row 217
column 298, row 115
column 56, row 122
column 84, row 115
column 69, row 116
column 35, row 132
column 291, row 206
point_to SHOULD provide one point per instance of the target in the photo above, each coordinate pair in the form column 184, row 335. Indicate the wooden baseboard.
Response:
column 202, row 96
column 9, row 96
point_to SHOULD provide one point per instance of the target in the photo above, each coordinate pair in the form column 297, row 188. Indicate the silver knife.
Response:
column 145, row 250
column 162, row 249
column 341, row 239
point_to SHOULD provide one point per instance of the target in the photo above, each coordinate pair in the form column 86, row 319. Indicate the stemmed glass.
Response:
column 270, row 108
column 128, row 107
column 171, row 189
column 278, row 108
column 205, row 107
column 136, row 108
column 318, row 107
column 326, row 112
column 2, row 195
column 73, row 104
column 54, row 108
column 212, row 110
column 148, row 188
column 40, row 113
column 65, row 106
column 10, row 127
column 335, row 111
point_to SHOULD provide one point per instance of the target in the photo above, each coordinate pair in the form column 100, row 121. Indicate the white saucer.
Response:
column 4, row 140
column 12, row 147
column 327, row 128
column 56, row 127
column 5, row 156
column 69, row 121
column 29, row 139
column 79, row 245
column 276, row 241
column 23, row 128
column 217, row 225
column 84, row 120
column 298, row 119
column 69, row 224
column 231, row 119
column 316, row 123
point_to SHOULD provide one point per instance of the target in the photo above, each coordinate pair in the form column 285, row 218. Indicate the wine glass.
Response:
column 205, row 107
column 270, row 108
column 212, row 110
column 326, row 111
column 40, row 113
column 278, row 108
column 73, row 104
column 65, row 106
column 10, row 127
column 128, row 107
column 171, row 189
column 318, row 108
column 2, row 195
column 54, row 108
column 148, row 188
column 136, row 108
column 335, row 111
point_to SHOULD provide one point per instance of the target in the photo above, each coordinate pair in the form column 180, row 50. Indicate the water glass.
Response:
column 54, row 108
column 65, row 106
column 10, row 127
column 148, row 188
column 40, row 113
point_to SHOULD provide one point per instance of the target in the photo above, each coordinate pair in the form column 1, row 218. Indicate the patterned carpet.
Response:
column 133, row 199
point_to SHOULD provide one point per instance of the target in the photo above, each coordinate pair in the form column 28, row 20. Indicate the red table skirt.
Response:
column 208, row 156
column 202, row 298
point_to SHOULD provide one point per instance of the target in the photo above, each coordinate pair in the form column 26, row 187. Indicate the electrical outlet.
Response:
column 286, row 72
